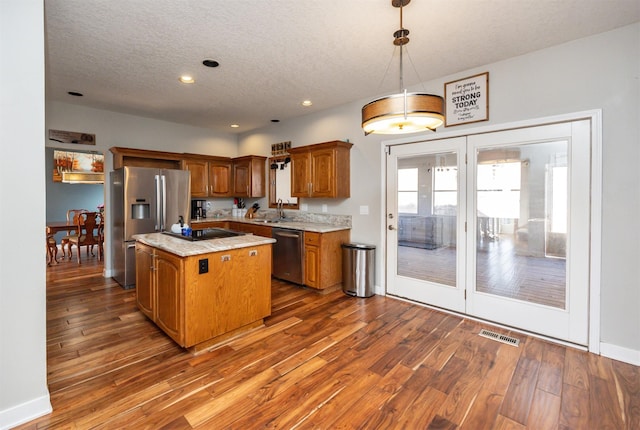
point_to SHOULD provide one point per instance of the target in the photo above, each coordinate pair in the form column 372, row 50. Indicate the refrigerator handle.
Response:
column 164, row 201
column 158, row 225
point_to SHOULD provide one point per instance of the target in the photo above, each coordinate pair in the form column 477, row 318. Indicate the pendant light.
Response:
column 404, row 112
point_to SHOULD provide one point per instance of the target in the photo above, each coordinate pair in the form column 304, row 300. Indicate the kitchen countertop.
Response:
column 292, row 225
column 185, row 248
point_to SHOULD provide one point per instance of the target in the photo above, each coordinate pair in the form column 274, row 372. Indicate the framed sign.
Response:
column 72, row 137
column 467, row 100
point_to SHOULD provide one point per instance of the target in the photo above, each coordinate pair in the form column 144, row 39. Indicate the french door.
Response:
column 504, row 235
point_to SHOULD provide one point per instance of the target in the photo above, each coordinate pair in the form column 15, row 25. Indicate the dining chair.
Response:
column 52, row 250
column 72, row 218
column 88, row 223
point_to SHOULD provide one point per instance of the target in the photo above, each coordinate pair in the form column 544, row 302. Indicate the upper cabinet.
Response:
column 249, row 176
column 210, row 176
column 145, row 158
column 321, row 170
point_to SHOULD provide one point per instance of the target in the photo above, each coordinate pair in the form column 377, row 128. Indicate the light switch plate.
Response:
column 364, row 210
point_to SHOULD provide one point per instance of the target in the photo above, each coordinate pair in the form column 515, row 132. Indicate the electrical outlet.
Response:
column 324, row 208
column 203, row 266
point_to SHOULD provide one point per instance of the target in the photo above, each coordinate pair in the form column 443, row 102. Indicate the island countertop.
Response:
column 185, row 248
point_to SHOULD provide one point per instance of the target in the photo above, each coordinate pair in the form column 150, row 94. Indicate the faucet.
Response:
column 280, row 209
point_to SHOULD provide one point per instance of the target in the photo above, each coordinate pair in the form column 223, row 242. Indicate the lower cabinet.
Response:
column 323, row 258
column 202, row 299
column 257, row 230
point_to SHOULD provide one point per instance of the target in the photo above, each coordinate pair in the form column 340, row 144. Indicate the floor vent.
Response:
column 499, row 337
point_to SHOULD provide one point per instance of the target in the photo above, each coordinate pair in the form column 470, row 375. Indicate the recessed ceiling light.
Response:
column 234, row 126
column 186, row 79
column 211, row 63
column 75, row 94
column 307, row 103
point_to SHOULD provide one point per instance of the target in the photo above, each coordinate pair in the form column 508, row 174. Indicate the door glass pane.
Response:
column 522, row 209
column 427, row 217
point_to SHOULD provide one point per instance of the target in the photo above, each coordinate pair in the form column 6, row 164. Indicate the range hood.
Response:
column 83, row 177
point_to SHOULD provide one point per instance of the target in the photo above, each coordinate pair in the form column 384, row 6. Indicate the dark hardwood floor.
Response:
column 322, row 362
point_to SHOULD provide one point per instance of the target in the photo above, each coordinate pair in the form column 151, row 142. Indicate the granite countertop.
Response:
column 185, row 248
column 292, row 225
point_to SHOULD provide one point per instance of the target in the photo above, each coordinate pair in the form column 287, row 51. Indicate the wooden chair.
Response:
column 88, row 223
column 72, row 218
column 52, row 250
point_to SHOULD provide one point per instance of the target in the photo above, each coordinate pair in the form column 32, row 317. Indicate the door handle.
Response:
column 391, row 227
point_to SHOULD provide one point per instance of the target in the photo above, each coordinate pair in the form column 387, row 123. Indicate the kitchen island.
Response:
column 321, row 259
column 203, row 292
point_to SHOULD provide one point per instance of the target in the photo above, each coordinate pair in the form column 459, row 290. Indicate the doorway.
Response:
column 496, row 226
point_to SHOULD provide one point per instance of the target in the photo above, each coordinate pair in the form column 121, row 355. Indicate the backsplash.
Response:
column 298, row 216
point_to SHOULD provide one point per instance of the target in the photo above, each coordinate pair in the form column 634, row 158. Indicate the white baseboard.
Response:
column 620, row 353
column 25, row 412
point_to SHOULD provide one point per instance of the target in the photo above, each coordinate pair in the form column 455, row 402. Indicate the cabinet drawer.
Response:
column 311, row 238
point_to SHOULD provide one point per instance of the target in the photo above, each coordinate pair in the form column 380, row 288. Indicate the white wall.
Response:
column 600, row 72
column 23, row 366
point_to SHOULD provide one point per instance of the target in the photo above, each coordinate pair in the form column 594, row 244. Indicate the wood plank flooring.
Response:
column 320, row 362
column 500, row 271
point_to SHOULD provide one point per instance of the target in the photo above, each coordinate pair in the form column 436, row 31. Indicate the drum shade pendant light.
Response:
column 404, row 112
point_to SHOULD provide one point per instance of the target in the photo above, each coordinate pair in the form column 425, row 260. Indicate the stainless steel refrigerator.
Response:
column 143, row 200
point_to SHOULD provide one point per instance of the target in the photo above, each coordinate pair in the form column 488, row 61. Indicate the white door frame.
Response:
column 595, row 251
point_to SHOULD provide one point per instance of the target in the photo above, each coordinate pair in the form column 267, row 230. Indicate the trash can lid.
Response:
column 358, row 245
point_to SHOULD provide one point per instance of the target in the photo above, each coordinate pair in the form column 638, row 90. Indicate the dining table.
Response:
column 53, row 227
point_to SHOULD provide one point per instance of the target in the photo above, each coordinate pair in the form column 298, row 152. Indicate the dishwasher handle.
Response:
column 283, row 234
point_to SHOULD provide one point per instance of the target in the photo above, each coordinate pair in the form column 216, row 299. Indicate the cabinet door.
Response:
column 144, row 280
column 300, row 174
column 312, row 266
column 199, row 177
column 219, row 179
column 169, row 303
column 241, row 178
column 323, row 173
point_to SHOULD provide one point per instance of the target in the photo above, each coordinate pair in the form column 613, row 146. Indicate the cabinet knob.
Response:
column 391, row 227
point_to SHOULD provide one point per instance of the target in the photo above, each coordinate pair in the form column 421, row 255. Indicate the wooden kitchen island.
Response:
column 201, row 293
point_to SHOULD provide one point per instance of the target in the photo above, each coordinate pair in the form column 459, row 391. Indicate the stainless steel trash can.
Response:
column 358, row 269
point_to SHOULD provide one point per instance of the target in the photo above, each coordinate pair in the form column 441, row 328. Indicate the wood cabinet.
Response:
column 169, row 293
column 210, row 176
column 145, row 291
column 145, row 158
column 199, row 307
column 159, row 289
column 257, row 230
column 321, row 170
column 249, row 176
column 323, row 258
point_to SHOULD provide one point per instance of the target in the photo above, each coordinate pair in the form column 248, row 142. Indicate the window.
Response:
column 445, row 190
column 499, row 190
column 408, row 190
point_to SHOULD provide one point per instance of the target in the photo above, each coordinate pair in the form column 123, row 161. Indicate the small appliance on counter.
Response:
column 198, row 209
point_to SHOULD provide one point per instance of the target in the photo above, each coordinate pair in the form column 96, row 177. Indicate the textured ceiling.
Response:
column 126, row 55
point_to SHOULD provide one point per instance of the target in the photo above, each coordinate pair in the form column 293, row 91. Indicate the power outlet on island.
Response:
column 203, row 266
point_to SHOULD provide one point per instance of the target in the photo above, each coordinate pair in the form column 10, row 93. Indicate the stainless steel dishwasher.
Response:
column 288, row 255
